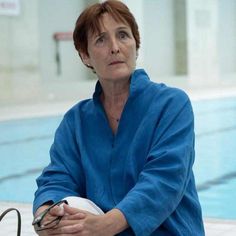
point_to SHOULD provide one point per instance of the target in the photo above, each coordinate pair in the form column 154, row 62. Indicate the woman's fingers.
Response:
column 67, row 227
column 57, row 210
column 75, row 211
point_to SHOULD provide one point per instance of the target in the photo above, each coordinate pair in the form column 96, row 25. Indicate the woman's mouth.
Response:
column 115, row 63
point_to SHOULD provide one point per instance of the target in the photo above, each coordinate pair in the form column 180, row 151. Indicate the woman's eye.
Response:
column 100, row 40
column 123, row 35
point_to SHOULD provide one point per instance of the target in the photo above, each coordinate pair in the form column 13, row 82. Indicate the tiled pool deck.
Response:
column 213, row 227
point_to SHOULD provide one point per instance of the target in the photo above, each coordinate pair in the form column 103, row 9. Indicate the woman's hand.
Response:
column 54, row 213
column 82, row 223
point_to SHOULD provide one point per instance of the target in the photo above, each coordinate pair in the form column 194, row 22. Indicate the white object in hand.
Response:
column 83, row 204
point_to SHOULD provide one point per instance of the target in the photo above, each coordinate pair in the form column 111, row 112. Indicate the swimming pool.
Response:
column 25, row 143
column 215, row 125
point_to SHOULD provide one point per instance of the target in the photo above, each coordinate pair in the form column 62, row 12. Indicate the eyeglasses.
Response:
column 18, row 216
column 49, row 223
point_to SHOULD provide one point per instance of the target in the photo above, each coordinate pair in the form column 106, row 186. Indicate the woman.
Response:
column 129, row 149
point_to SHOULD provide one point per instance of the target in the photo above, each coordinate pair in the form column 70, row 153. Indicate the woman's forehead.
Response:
column 104, row 20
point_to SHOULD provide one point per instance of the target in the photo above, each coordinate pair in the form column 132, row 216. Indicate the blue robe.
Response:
column 144, row 170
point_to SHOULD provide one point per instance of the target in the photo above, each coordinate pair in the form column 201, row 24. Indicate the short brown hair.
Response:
column 89, row 21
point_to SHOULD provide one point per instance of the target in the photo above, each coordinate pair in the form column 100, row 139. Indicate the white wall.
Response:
column 156, row 23
column 19, row 39
column 27, row 49
column 203, row 51
column 159, row 47
column 227, row 36
column 59, row 16
column 19, row 62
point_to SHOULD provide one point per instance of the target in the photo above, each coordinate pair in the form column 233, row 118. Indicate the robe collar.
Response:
column 138, row 82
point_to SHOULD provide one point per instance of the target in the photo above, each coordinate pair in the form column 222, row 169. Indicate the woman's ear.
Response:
column 85, row 58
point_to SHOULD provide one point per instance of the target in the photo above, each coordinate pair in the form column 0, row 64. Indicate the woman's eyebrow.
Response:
column 99, row 34
column 104, row 32
column 123, row 27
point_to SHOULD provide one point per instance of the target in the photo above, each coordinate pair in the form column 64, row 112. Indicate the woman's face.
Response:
column 112, row 52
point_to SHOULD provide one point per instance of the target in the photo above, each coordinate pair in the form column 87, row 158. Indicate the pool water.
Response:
column 215, row 164
column 24, row 148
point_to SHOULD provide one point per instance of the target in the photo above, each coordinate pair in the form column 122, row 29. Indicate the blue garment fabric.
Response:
column 144, row 170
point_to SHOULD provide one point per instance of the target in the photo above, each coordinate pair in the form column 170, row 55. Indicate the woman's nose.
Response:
column 115, row 51
column 114, row 47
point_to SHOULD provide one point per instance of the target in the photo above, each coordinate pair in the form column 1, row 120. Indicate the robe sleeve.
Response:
column 168, row 168
column 64, row 175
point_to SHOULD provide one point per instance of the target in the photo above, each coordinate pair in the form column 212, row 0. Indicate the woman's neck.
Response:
column 115, row 95
column 113, row 99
